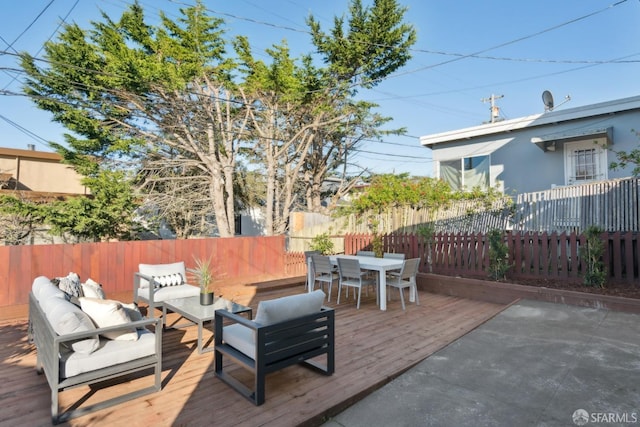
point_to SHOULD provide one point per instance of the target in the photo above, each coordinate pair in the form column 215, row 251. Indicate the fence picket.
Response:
column 532, row 255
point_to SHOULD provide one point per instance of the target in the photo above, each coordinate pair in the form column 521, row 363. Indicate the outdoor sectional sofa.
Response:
column 72, row 351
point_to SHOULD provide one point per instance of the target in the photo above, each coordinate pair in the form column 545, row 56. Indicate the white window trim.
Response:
column 601, row 165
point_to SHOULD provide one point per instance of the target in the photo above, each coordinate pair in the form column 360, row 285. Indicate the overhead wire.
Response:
column 458, row 56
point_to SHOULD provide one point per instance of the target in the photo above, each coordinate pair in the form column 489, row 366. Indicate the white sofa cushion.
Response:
column 159, row 270
column 106, row 313
column 46, row 291
column 170, row 292
column 269, row 312
column 67, row 318
column 42, row 289
column 110, row 353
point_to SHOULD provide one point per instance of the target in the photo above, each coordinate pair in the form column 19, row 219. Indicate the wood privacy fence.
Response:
column 236, row 260
column 612, row 205
column 531, row 255
column 254, row 259
column 457, row 216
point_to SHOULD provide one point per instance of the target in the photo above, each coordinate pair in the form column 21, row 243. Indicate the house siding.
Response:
column 520, row 165
column 40, row 171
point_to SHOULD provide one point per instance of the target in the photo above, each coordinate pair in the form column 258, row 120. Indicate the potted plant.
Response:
column 203, row 275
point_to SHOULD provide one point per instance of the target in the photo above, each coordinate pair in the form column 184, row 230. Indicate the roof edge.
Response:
column 542, row 119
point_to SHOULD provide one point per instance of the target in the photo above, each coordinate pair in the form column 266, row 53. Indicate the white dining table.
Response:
column 381, row 265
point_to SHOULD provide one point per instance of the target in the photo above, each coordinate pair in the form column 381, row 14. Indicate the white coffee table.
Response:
column 197, row 314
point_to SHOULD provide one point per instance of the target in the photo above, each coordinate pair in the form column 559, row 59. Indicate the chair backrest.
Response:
column 410, row 268
column 392, row 256
column 307, row 254
column 349, row 268
column 366, row 253
column 307, row 258
column 321, row 264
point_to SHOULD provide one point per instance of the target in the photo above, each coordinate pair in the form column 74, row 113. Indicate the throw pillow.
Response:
column 132, row 311
column 169, row 280
column 154, row 270
column 105, row 313
column 70, row 285
column 92, row 289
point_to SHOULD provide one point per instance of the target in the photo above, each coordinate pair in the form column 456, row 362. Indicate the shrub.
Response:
column 498, row 255
column 596, row 274
column 427, row 232
column 377, row 245
column 323, row 244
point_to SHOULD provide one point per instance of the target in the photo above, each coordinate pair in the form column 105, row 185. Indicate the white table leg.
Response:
column 383, row 289
column 310, row 278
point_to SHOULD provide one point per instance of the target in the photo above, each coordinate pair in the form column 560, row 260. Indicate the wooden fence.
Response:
column 237, row 260
column 255, row 259
column 531, row 255
column 612, row 205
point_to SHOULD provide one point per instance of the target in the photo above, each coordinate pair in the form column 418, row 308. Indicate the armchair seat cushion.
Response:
column 241, row 338
column 170, row 292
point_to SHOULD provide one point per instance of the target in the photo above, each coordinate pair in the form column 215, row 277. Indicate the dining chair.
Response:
column 370, row 274
column 365, row 253
column 406, row 278
column 351, row 275
column 307, row 262
column 323, row 272
column 390, row 255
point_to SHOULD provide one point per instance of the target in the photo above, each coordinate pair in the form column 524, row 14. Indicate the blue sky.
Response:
column 466, row 51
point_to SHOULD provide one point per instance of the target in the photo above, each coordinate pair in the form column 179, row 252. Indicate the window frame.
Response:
column 461, row 169
column 570, row 166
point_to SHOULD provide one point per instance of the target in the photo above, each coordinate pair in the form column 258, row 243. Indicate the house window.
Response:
column 585, row 162
column 466, row 173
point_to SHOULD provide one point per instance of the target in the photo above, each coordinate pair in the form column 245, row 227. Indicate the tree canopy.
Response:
column 186, row 116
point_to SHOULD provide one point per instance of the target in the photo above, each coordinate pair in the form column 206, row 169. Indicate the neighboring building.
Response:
column 37, row 174
column 539, row 152
column 34, row 176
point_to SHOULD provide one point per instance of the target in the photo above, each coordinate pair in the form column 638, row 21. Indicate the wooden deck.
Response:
column 372, row 348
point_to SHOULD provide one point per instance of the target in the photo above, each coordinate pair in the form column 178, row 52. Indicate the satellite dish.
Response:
column 547, row 99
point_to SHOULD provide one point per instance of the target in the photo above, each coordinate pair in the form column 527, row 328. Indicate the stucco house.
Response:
column 37, row 174
column 541, row 151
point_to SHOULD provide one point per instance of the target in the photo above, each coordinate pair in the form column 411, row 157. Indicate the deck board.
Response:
column 372, row 347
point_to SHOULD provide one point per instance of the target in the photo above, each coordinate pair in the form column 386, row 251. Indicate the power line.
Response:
column 27, row 132
column 10, row 45
column 460, row 56
column 62, row 22
column 507, row 43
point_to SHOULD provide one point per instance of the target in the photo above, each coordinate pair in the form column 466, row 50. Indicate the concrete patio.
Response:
column 534, row 364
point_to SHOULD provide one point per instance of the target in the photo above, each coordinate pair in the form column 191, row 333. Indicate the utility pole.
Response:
column 495, row 110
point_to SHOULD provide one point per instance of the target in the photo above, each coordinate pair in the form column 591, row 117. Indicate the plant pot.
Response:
column 206, row 298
